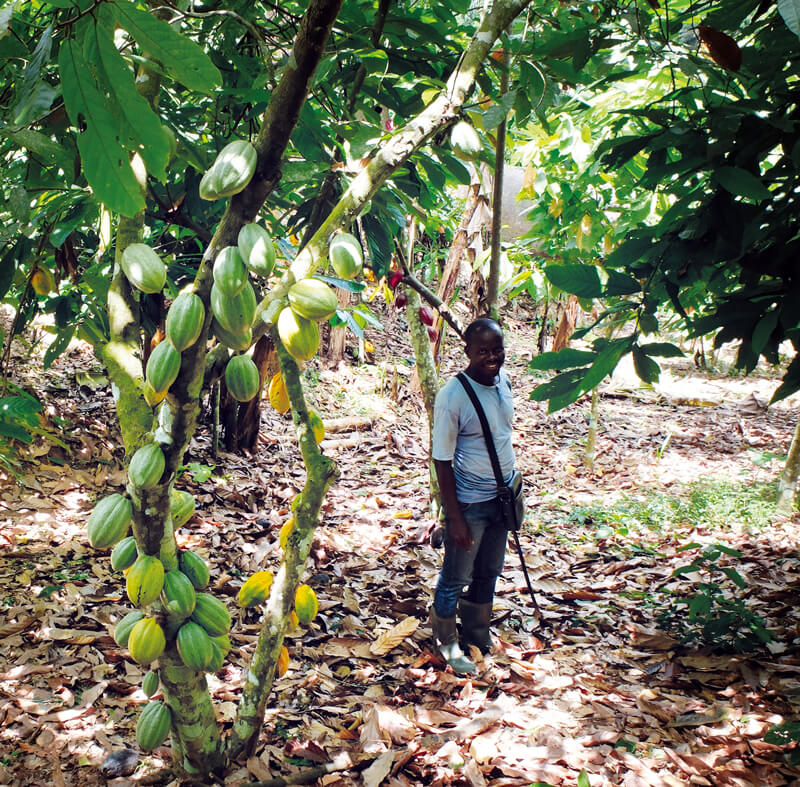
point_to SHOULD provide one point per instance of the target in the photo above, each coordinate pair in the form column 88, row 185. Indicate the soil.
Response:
column 599, row 690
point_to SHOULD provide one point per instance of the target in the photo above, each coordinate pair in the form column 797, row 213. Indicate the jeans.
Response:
column 476, row 568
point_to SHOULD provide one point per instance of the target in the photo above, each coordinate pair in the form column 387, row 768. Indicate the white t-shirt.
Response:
column 458, row 437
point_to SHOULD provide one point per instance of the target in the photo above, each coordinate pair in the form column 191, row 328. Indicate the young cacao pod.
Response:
column 143, row 268
column 163, row 367
column 305, row 604
column 345, row 255
column 185, row 320
column 425, row 315
column 181, row 507
column 300, row 336
column 145, row 580
column 235, row 314
column 147, row 466
column 242, row 378
column 230, row 172
column 230, row 272
column 122, row 630
column 179, row 593
column 195, row 568
column 255, row 246
column 153, row 726
column 212, row 615
column 150, row 683
column 313, row 299
column 194, row 646
column 109, row 521
column 124, row 554
column 146, row 641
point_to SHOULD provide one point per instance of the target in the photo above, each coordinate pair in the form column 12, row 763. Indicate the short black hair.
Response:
column 479, row 325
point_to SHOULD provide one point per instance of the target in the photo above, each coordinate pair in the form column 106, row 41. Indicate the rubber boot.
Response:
column 475, row 621
column 446, row 638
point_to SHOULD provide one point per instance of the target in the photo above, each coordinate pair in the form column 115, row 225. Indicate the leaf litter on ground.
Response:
column 597, row 692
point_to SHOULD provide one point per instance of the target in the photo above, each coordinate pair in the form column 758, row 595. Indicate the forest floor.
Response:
column 616, row 685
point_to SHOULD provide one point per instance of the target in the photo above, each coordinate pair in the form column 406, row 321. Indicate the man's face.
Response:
column 486, row 353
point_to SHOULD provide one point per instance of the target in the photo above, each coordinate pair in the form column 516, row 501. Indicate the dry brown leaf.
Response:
column 379, row 770
column 394, row 636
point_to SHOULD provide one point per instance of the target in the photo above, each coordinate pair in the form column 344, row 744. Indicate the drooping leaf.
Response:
column 184, row 60
column 35, row 95
column 105, row 161
column 560, row 384
column 742, row 183
column 621, row 284
column 662, row 349
column 580, row 280
column 139, row 123
column 647, row 369
column 606, row 361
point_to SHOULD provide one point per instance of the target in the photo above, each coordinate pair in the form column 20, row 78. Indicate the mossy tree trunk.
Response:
column 787, row 483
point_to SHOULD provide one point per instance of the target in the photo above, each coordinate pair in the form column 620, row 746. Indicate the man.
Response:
column 475, row 537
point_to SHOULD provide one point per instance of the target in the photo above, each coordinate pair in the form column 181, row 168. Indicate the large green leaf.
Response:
column 35, row 95
column 138, row 122
column 48, row 152
column 620, row 284
column 647, row 369
column 184, row 60
column 105, row 162
column 606, row 361
column 560, row 384
column 741, row 183
column 581, row 280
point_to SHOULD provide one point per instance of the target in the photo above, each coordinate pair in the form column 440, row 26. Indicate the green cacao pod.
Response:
column 242, row 378
column 150, row 683
column 147, row 466
column 312, row 299
column 230, row 172
column 300, row 336
column 234, row 341
column 122, row 630
column 153, row 727
column 143, row 268
column 306, row 605
column 181, row 507
column 145, row 580
column 223, row 641
column 185, row 320
column 256, row 589
column 212, row 615
column 217, row 658
column 146, row 641
column 109, row 521
column 124, row 554
column 230, row 272
column 465, row 141
column 163, row 366
column 255, row 246
column 234, row 314
column 345, row 255
column 195, row 568
column 180, row 594
column 194, row 646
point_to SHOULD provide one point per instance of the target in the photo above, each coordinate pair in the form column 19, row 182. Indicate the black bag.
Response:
column 510, row 496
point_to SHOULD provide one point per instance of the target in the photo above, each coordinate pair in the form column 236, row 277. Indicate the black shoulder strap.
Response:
column 487, row 432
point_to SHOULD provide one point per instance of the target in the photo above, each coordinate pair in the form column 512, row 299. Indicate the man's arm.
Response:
column 456, row 526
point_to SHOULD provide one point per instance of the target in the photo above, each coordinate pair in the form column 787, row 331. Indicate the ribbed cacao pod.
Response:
column 234, row 314
column 147, row 466
column 230, row 172
column 255, row 590
column 109, row 521
column 150, row 683
column 163, row 367
column 43, row 281
column 181, row 507
column 230, row 272
column 145, row 580
column 305, row 604
column 313, row 299
column 146, row 641
column 255, row 246
column 242, row 378
column 232, row 341
column 124, row 554
column 195, row 568
column 212, row 615
column 194, row 646
column 345, row 255
column 299, row 336
column 143, row 268
column 153, row 727
column 179, row 593
column 185, row 320
column 122, row 630
column 278, row 395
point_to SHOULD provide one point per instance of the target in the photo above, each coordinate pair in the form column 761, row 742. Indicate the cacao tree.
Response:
column 117, row 65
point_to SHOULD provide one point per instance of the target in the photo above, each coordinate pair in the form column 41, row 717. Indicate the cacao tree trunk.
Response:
column 787, row 483
column 492, row 282
column 320, row 474
column 591, row 435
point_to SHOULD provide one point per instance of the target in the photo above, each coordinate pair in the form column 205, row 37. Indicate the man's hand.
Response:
column 459, row 533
